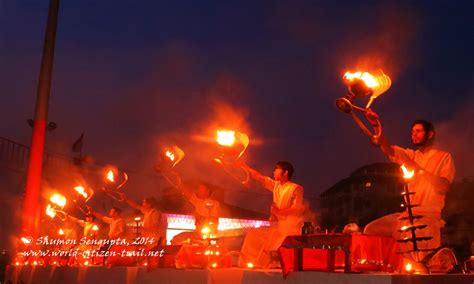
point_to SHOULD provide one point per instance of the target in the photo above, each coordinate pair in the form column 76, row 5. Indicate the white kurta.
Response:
column 152, row 224
column 117, row 227
column 259, row 243
column 434, row 161
column 427, row 196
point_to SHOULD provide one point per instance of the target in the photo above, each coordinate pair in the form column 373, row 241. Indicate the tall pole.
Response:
column 31, row 208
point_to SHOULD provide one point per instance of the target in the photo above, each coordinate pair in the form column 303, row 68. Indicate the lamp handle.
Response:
column 375, row 135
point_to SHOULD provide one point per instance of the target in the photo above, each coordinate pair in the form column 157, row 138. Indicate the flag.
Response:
column 77, row 146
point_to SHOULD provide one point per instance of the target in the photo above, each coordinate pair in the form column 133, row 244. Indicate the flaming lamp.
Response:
column 362, row 84
column 113, row 185
column 410, row 228
column 83, row 194
column 169, row 158
column 233, row 145
column 56, row 206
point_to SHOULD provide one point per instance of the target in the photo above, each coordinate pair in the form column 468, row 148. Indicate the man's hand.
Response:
column 239, row 164
column 122, row 196
column 372, row 117
column 274, row 209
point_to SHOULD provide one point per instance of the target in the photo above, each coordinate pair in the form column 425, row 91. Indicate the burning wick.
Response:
column 58, row 199
column 249, row 265
column 408, row 267
column 170, row 155
column 95, row 228
column 80, row 190
column 110, row 176
column 61, row 232
column 368, row 78
column 50, row 211
column 407, row 174
column 225, row 138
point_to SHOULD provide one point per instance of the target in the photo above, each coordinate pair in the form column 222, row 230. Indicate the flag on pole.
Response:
column 77, row 146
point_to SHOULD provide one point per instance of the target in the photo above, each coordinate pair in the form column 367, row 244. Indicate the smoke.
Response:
column 456, row 135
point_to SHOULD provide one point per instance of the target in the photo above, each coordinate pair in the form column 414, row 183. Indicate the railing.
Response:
column 13, row 155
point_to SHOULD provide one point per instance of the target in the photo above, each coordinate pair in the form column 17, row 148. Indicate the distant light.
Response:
column 368, row 184
column 408, row 267
column 250, row 265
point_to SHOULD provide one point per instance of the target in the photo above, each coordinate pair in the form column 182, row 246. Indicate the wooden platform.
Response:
column 130, row 275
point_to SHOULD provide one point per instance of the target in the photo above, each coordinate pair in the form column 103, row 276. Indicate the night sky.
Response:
column 135, row 75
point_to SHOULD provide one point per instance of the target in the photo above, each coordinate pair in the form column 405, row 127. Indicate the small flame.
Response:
column 81, row 190
column 17, row 263
column 225, row 138
column 138, row 219
column 170, row 155
column 145, row 264
column 207, row 252
column 86, row 263
column 58, row 199
column 110, row 176
column 61, row 232
column 407, row 174
column 205, row 231
column 408, row 267
column 403, row 228
column 214, row 265
column 250, row 265
column 50, row 211
column 95, row 228
column 35, row 262
column 368, row 78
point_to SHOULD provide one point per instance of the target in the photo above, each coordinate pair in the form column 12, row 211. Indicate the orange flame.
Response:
column 61, row 232
column 95, row 228
column 138, row 219
column 368, row 78
column 58, row 199
column 110, row 176
column 250, row 265
column 50, row 211
column 407, row 174
column 214, row 265
column 205, row 230
column 408, row 267
column 81, row 190
column 226, row 137
column 170, row 155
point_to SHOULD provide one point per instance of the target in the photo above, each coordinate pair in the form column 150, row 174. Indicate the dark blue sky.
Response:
column 133, row 75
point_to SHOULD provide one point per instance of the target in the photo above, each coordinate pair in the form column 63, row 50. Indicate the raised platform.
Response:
column 120, row 275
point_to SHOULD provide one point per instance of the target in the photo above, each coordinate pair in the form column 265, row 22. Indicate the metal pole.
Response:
column 31, row 208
